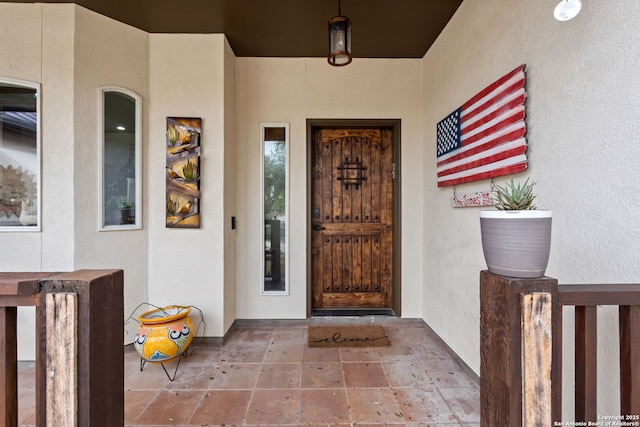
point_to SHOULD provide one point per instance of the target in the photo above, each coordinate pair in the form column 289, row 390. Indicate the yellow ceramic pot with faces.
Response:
column 164, row 333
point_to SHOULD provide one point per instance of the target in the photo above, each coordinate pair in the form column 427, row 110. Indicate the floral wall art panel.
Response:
column 485, row 137
column 183, row 172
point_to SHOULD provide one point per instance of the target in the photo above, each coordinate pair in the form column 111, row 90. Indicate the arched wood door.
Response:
column 352, row 218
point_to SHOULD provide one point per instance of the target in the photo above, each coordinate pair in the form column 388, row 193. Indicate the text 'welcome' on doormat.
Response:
column 348, row 336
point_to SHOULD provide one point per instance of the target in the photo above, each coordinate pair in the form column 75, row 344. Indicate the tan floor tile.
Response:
column 407, row 374
column 279, row 376
column 131, row 355
column 255, row 336
column 27, row 406
column 236, row 376
column 283, row 353
column 424, row 405
column 239, row 353
column 130, row 368
column 380, row 425
column 359, row 354
column 424, row 343
column 310, row 387
column 333, row 425
column 135, row 402
column 429, row 349
column 273, row 407
column 322, row 375
column 202, row 354
column 400, row 352
column 445, row 372
column 320, row 354
column 279, row 425
column 222, row 407
column 368, row 374
column 191, row 377
column 397, row 351
column 323, row 407
column 152, row 377
column 171, row 408
column 433, row 425
column 287, row 336
column 285, row 346
column 464, row 403
column 374, row 405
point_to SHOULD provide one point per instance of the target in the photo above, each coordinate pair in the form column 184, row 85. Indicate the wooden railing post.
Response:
column 100, row 358
column 629, row 319
column 586, row 299
column 8, row 367
column 501, row 397
column 537, row 356
column 586, row 364
column 16, row 290
column 61, row 360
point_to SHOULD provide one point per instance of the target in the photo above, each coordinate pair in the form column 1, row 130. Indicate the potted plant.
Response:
column 123, row 207
column 516, row 238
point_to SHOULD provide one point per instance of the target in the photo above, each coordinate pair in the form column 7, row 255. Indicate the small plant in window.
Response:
column 119, row 202
column 190, row 171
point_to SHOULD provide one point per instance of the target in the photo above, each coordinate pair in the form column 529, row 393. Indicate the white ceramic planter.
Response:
column 516, row 243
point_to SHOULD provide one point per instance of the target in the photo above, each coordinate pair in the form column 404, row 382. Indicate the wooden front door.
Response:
column 352, row 218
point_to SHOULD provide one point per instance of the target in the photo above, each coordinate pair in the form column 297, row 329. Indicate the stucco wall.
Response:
column 22, row 36
column 270, row 90
column 54, row 45
column 186, row 266
column 107, row 53
column 229, row 187
column 22, row 46
column 27, row 31
column 582, row 120
column 71, row 52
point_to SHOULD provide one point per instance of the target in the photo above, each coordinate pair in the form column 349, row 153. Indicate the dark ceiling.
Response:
column 289, row 28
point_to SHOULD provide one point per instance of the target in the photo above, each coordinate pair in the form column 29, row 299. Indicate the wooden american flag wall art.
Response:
column 485, row 137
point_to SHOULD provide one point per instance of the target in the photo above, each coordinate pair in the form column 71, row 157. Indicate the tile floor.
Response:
column 265, row 374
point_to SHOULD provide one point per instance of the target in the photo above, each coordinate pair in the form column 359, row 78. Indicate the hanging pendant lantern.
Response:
column 339, row 40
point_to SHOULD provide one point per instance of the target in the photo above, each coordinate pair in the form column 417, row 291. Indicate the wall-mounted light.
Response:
column 339, row 39
column 567, row 9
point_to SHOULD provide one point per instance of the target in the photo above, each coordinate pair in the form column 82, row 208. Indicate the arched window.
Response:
column 120, row 159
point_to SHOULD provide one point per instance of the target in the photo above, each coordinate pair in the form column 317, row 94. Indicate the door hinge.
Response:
column 393, row 170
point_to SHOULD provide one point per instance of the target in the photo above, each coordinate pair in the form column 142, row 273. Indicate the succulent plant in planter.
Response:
column 512, row 197
column 516, row 238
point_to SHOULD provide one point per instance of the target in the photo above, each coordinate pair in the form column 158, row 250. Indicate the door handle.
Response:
column 318, row 227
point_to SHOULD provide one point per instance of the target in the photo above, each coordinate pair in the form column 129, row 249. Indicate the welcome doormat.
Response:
column 348, row 336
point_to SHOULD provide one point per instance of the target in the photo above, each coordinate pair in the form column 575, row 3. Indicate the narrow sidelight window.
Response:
column 275, row 207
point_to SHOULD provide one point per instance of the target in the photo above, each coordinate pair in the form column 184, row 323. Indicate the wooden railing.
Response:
column 79, row 347
column 521, row 351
